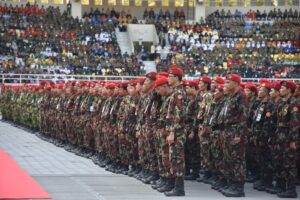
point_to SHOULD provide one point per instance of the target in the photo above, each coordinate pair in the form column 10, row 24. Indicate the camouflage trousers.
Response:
column 88, row 136
column 205, row 143
column 284, row 158
column 132, row 155
column 192, row 153
column 71, row 135
column 143, row 159
column 264, row 158
column 251, row 155
column 150, row 149
column 217, row 151
column 164, row 163
column 176, row 151
column 234, row 156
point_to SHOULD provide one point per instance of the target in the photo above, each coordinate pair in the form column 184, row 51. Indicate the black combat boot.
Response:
column 259, row 185
column 153, row 177
column 290, row 192
column 219, row 184
column 192, row 175
column 280, row 186
column 178, row 190
column 168, row 186
column 205, row 177
column 236, row 189
column 158, row 183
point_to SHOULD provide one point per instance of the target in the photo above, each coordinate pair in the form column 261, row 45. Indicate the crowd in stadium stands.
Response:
column 151, row 14
column 252, row 44
column 38, row 40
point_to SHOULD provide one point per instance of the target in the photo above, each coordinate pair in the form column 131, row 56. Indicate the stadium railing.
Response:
column 57, row 78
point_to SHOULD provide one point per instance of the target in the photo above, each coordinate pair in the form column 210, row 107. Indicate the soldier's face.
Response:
column 273, row 93
column 248, row 92
column 218, row 94
column 190, row 90
column 162, row 90
column 147, row 85
column 202, row 86
column 297, row 91
column 172, row 79
column 229, row 86
column 262, row 93
column 284, row 91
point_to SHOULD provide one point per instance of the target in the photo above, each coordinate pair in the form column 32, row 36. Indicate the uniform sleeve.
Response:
column 294, row 123
column 177, row 112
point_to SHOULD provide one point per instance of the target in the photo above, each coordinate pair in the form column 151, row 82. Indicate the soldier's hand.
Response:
column 293, row 146
column 236, row 140
column 191, row 136
column 170, row 138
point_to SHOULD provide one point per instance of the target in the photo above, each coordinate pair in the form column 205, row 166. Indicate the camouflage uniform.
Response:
column 176, row 124
column 232, row 119
column 286, row 132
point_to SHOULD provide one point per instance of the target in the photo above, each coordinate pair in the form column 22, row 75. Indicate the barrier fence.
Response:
column 58, row 78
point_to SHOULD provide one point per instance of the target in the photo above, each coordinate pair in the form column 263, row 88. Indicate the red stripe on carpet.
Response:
column 15, row 183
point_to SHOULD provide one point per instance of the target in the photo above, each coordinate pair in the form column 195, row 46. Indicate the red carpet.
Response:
column 15, row 183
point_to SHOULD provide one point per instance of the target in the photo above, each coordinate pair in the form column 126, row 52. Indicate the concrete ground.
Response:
column 66, row 176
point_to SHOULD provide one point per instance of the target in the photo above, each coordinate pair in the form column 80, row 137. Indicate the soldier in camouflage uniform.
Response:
column 130, row 126
column 95, row 110
column 286, row 138
column 261, row 130
column 297, row 96
column 217, row 142
column 175, row 125
column 204, row 114
column 251, row 149
column 164, row 90
column 148, row 128
column 232, row 119
column 192, row 146
column 88, row 136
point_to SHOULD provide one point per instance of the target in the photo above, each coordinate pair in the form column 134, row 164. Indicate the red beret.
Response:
column 81, row 84
column 219, row 80
column 161, row 81
column 175, row 71
column 205, row 79
column 263, row 80
column 43, row 83
column 162, row 74
column 111, row 85
column 190, row 83
column 151, row 75
column 140, row 80
column 51, row 83
column 48, row 88
column 92, row 84
column 132, row 82
column 124, row 84
column 276, row 85
column 289, row 84
column 251, row 87
column 101, row 82
column 60, row 86
column 267, row 85
column 233, row 77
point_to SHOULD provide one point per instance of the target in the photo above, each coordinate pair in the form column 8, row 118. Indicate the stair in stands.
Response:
column 150, row 66
column 124, row 42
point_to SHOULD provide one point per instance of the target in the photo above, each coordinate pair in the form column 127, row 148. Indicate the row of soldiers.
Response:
column 162, row 129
